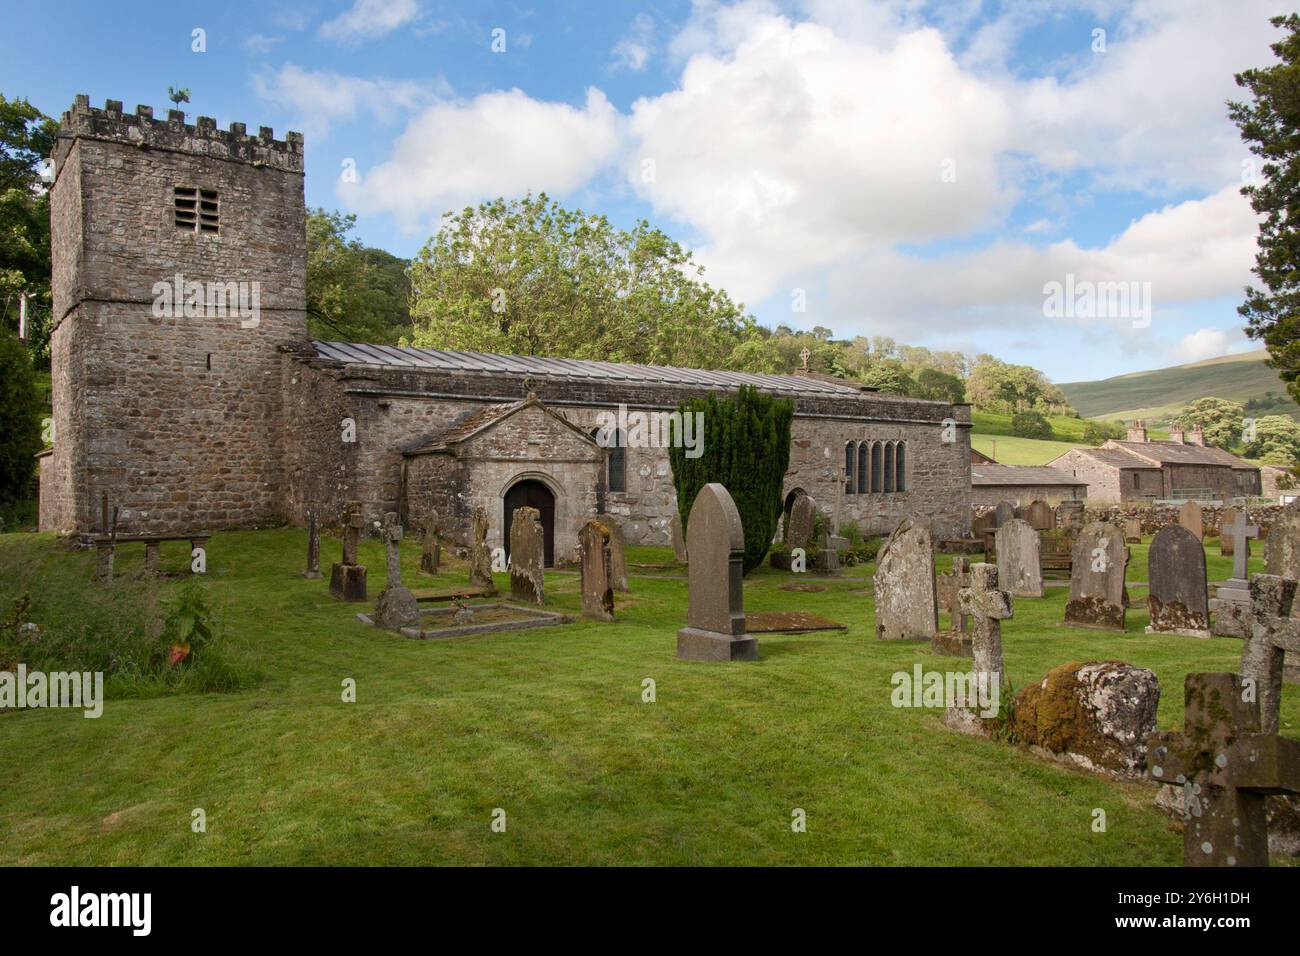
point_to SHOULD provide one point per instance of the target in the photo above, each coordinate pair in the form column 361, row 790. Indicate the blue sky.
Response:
column 910, row 169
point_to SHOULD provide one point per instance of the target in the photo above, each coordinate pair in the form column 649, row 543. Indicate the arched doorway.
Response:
column 531, row 493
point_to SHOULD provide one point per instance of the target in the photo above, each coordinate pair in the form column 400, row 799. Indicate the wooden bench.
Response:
column 1056, row 553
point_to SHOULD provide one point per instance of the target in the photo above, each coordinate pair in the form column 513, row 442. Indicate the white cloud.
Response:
column 366, row 19
column 259, row 44
column 319, row 98
column 516, row 144
column 632, row 51
column 1209, row 343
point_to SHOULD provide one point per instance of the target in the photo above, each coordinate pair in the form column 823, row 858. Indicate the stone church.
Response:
column 187, row 389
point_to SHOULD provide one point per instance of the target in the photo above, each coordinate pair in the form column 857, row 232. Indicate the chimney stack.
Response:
column 1176, row 432
column 1137, row 432
column 1196, row 436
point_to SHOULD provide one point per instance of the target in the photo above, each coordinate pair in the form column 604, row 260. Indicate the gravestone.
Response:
column 313, row 548
column 396, row 607
column 1133, row 531
column 985, row 522
column 1097, row 578
column 829, row 546
column 1282, row 547
column 679, row 540
column 347, row 578
column 1040, row 516
column 1019, row 567
column 1177, row 594
column 1231, row 603
column 1226, row 519
column 715, row 621
column 1003, row 513
column 431, row 546
column 1069, row 514
column 617, row 555
column 907, row 604
column 803, row 518
column 988, row 606
column 594, row 565
column 1191, row 518
column 480, row 555
column 1272, row 629
column 1227, row 765
column 955, row 641
column 527, row 556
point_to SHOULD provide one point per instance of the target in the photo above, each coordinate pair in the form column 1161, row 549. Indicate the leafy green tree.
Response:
column 529, row 276
column 889, row 375
column 745, row 448
column 998, row 386
column 1098, row 432
column 1219, row 418
column 1270, row 125
column 354, row 292
column 27, row 136
column 20, row 420
column 1276, row 441
column 1031, row 424
column 939, row 386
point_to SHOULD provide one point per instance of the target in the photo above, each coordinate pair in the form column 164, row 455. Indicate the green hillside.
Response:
column 1159, row 394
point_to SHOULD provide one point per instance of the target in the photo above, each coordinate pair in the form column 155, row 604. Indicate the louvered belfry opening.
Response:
column 196, row 210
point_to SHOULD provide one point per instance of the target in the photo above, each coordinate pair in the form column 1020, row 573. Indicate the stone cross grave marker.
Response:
column 956, row 640
column 1177, row 594
column 907, row 603
column 1019, row 565
column 1226, row 766
column 313, row 547
column 988, row 606
column 1097, row 578
column 715, row 620
column 431, row 546
column 1040, row 516
column 1270, row 633
column 1226, row 519
column 527, row 556
column 594, row 564
column 396, row 607
column 480, row 555
column 617, row 556
column 1191, row 518
column 347, row 578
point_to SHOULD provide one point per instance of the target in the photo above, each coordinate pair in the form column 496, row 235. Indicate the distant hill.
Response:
column 1159, row 394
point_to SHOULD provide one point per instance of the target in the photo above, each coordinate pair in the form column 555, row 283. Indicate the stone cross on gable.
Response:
column 1226, row 768
column 805, row 354
column 1242, row 531
column 988, row 607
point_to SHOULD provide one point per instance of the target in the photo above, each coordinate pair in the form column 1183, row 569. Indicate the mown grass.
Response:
column 550, row 725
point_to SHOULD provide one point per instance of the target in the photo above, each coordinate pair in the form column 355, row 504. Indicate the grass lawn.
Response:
column 1010, row 450
column 549, row 725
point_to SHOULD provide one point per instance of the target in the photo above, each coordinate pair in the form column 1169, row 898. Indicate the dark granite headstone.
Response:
column 1177, row 595
column 1097, row 578
column 715, row 620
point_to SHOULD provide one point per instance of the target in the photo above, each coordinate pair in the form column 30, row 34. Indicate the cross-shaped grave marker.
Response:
column 805, row 355
column 1226, row 768
column 988, row 607
column 1242, row 531
column 1271, row 632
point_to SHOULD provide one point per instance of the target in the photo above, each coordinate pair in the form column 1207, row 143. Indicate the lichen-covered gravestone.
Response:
column 715, row 620
column 480, row 555
column 617, row 556
column 593, row 563
column 1226, row 519
column 1230, row 606
column 1003, row 513
column 1133, row 531
column 431, row 547
column 679, row 540
column 527, row 556
column 1191, row 518
column 1282, row 557
column 347, row 578
column 396, row 607
column 956, row 640
column 1097, row 578
column 988, row 606
column 1178, row 595
column 313, row 548
column 1040, row 516
column 1019, row 567
column 907, row 604
column 799, row 526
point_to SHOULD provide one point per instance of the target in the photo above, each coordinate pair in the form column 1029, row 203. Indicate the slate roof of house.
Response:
column 1176, row 453
column 557, row 368
column 984, row 475
column 1113, row 456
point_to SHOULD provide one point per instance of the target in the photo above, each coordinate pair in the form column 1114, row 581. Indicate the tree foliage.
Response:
column 528, row 276
column 354, row 292
column 1098, row 432
column 746, row 449
column 20, row 420
column 27, row 137
column 998, row 386
column 1031, row 424
column 1270, row 126
column 1276, row 440
column 1219, row 418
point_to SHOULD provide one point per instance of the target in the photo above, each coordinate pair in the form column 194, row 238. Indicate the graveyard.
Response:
column 558, row 727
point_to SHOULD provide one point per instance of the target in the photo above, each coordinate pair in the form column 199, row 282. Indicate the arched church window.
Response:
column 900, row 471
column 864, row 466
column 889, row 467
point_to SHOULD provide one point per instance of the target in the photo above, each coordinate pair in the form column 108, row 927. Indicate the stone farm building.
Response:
column 1021, row 484
column 216, row 418
column 1142, row 469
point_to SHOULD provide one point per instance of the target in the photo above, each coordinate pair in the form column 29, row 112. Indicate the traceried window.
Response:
column 196, row 210
column 889, row 466
column 877, row 463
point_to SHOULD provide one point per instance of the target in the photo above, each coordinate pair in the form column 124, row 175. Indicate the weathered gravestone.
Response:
column 617, row 556
column 955, row 641
column 313, row 548
column 907, row 605
column 594, row 564
column 802, row 520
column 1227, row 765
column 982, row 523
column 679, row 540
column 987, row 606
column 1019, row 569
column 1227, row 518
column 431, row 546
column 1003, row 513
column 1282, row 557
column 1272, row 632
column 1097, row 578
column 1177, row 593
column 1040, row 516
column 1230, row 605
column 1069, row 514
column 1133, row 531
column 715, row 619
column 527, row 556
column 396, row 607
column 1191, row 518
column 480, row 555
column 347, row 578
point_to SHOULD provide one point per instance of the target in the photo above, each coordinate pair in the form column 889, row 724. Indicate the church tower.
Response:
column 179, row 274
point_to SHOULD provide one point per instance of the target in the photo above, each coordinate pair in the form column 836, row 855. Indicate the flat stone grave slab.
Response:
column 802, row 587
column 789, row 622
column 497, row 617
column 434, row 595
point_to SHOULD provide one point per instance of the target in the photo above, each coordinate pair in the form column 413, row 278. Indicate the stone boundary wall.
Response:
column 1155, row 518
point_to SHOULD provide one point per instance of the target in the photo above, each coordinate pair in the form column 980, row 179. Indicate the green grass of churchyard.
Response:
column 549, row 725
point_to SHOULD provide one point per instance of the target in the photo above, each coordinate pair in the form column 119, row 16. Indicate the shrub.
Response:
column 1031, row 424
column 20, row 421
